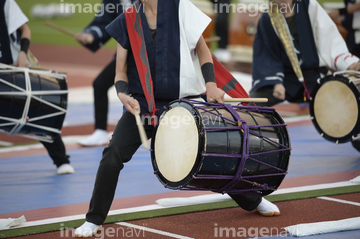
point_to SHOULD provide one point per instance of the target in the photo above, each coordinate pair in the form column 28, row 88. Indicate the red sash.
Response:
column 136, row 36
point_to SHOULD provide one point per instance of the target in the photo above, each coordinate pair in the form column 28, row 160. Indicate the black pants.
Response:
column 57, row 151
column 124, row 143
column 221, row 8
column 103, row 82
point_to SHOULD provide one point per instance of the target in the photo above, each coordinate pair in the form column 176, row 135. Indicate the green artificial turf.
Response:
column 42, row 34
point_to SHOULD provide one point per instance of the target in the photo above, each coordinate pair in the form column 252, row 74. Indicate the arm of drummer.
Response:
column 25, row 33
column 84, row 38
column 121, row 75
column 350, row 9
column 212, row 91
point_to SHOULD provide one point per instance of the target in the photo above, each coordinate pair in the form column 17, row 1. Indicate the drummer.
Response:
column 318, row 45
column 15, row 38
column 162, row 33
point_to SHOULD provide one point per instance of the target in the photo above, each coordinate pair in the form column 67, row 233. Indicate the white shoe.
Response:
column 98, row 138
column 87, row 229
column 65, row 169
column 267, row 209
column 222, row 55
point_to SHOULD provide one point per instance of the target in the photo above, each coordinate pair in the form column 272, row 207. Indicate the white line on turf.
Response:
column 4, row 143
column 142, row 228
column 340, row 201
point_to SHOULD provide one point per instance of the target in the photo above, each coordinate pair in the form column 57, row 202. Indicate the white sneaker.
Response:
column 65, row 169
column 267, row 209
column 222, row 55
column 98, row 138
column 87, row 229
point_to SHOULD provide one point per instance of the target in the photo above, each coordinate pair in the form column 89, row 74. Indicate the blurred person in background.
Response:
column 222, row 11
column 318, row 46
column 93, row 37
column 349, row 16
column 15, row 36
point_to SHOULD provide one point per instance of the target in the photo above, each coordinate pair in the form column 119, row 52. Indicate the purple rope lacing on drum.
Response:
column 245, row 154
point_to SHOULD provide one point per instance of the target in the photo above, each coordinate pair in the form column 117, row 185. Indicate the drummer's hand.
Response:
column 130, row 103
column 85, row 38
column 354, row 67
column 214, row 93
column 279, row 91
column 22, row 60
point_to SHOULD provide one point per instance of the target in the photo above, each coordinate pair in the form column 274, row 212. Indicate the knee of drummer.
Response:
column 113, row 158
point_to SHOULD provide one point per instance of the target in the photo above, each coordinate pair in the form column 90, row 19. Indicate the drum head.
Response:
column 176, row 144
column 335, row 110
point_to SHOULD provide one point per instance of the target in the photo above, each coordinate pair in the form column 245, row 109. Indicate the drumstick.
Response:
column 242, row 100
column 141, row 130
column 61, row 29
column 211, row 39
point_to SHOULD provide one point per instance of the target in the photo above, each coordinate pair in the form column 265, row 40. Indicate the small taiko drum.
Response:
column 334, row 106
column 220, row 148
column 33, row 102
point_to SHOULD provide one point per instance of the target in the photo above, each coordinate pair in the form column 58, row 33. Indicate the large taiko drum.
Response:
column 33, row 102
column 220, row 148
column 335, row 105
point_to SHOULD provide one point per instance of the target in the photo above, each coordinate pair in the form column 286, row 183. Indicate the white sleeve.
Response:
column 15, row 17
column 194, row 22
column 331, row 46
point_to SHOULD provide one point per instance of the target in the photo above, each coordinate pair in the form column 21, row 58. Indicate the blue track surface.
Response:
column 34, row 177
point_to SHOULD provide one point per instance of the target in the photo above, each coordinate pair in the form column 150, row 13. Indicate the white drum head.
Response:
column 336, row 109
column 176, row 144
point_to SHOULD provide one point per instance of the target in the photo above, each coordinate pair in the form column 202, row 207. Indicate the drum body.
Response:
column 220, row 148
column 334, row 107
column 32, row 102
